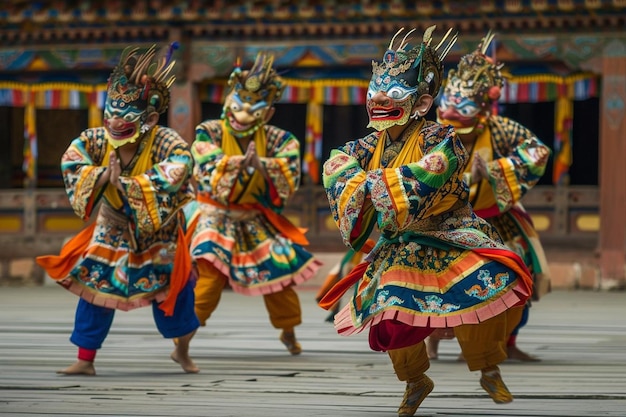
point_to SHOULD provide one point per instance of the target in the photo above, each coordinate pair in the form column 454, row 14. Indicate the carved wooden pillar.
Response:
column 184, row 111
column 612, row 167
column 184, row 107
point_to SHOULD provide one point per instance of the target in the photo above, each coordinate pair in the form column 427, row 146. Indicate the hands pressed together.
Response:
column 479, row 169
column 111, row 173
column 251, row 159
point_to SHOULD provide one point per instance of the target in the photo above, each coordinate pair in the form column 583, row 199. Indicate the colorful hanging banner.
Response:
column 316, row 93
column 13, row 94
column 29, row 164
column 516, row 89
column 564, row 113
column 313, row 141
column 323, row 91
column 547, row 87
column 97, row 98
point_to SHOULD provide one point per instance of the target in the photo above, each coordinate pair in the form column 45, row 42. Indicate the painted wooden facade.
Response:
column 56, row 55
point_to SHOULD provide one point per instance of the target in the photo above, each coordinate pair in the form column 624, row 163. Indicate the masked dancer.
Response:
column 436, row 264
column 246, row 170
column 505, row 161
column 133, row 176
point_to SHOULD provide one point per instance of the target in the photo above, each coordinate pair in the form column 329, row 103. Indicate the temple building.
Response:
column 565, row 62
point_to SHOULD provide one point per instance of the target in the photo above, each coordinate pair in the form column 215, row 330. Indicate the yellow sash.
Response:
column 249, row 186
column 410, row 152
column 143, row 164
column 481, row 194
column 245, row 189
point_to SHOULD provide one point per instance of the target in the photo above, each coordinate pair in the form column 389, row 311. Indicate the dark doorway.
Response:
column 539, row 118
column 585, row 142
column 55, row 130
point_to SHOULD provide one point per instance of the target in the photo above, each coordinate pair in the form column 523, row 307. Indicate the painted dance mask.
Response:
column 138, row 86
column 471, row 91
column 249, row 104
column 404, row 74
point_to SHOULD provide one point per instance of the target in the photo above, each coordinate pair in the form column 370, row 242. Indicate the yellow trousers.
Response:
column 409, row 362
column 283, row 307
column 483, row 346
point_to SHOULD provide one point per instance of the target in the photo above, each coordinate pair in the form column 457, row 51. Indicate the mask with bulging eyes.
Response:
column 139, row 85
column 245, row 111
column 123, row 122
column 395, row 106
column 253, row 94
column 403, row 75
column 460, row 112
column 471, row 90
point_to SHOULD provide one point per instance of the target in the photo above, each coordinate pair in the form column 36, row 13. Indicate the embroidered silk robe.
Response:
column 516, row 160
column 134, row 251
column 239, row 227
column 436, row 264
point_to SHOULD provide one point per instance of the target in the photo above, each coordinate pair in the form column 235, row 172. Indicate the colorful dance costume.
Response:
column 246, row 171
column 514, row 159
column 134, row 253
column 436, row 264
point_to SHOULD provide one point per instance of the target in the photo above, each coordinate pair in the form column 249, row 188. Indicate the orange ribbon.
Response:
column 180, row 273
column 280, row 222
column 60, row 266
column 339, row 289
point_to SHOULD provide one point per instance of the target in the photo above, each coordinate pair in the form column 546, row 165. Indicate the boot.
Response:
column 288, row 338
column 414, row 395
column 492, row 383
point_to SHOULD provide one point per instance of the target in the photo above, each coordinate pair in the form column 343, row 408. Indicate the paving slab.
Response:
column 245, row 371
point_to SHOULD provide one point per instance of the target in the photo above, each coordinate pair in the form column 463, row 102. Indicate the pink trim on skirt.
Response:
column 305, row 273
column 406, row 329
column 110, row 301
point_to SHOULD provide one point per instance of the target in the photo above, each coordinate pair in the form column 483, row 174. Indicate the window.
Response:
column 55, row 130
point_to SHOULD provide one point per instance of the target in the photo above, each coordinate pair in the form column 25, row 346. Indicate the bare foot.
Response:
column 514, row 353
column 185, row 362
column 80, row 367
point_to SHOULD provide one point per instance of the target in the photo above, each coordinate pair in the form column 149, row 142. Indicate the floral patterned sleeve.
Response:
column 398, row 196
column 282, row 168
column 215, row 172
column 348, row 194
column 80, row 166
column 157, row 194
column 523, row 162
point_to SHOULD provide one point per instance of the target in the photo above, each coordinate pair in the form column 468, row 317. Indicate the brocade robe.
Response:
column 516, row 160
column 134, row 251
column 436, row 264
column 238, row 225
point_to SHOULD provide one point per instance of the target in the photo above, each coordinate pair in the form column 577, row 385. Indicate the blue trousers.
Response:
column 92, row 323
